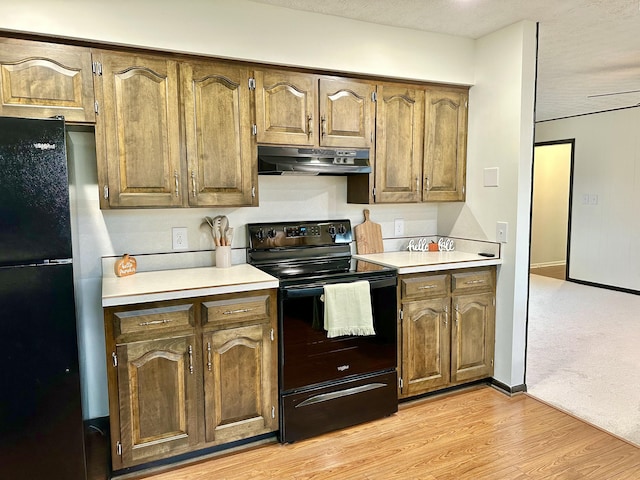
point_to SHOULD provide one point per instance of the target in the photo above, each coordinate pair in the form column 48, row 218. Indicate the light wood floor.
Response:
column 476, row 434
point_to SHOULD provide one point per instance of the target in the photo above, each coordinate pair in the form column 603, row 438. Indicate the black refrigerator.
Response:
column 41, row 429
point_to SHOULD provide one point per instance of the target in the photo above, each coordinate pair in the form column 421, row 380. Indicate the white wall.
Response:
column 501, row 135
column 245, row 30
column 605, row 236
column 550, row 209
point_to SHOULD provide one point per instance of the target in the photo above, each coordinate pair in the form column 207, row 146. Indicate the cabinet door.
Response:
column 445, row 145
column 346, row 113
column 399, row 144
column 137, row 131
column 41, row 80
column 157, row 395
column 220, row 152
column 286, row 108
column 473, row 337
column 239, row 383
column 425, row 345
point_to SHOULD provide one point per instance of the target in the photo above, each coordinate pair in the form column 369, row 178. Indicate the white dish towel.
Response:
column 347, row 309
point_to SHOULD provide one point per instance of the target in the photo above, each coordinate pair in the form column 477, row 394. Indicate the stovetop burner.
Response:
column 306, row 250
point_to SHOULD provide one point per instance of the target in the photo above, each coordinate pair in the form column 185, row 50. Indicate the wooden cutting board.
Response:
column 368, row 236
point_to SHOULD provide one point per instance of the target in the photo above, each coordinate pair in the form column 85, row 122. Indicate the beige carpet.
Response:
column 583, row 353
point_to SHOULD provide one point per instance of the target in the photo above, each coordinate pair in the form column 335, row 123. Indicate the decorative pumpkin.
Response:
column 125, row 266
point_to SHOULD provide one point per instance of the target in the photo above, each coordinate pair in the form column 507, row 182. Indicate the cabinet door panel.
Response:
column 239, row 391
column 473, row 336
column 445, row 150
column 40, row 80
column 346, row 113
column 425, row 345
column 399, row 144
column 286, row 106
column 156, row 384
column 218, row 133
column 137, row 133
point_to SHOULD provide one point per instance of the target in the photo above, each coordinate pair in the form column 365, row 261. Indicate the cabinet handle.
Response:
column 190, row 360
column 154, row 322
column 426, row 287
column 310, row 125
column 426, row 181
column 114, row 358
column 417, row 184
column 323, row 122
column 473, row 282
column 175, row 176
column 242, row 310
column 446, row 316
column 105, row 192
column 209, row 355
column 193, row 183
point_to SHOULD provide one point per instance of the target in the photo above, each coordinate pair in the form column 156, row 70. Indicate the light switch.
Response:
column 491, row 177
column 501, row 232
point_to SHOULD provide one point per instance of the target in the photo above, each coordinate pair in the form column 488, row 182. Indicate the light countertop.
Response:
column 417, row 262
column 183, row 283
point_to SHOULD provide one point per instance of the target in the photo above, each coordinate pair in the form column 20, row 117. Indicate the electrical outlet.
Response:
column 502, row 229
column 180, row 241
column 398, row 227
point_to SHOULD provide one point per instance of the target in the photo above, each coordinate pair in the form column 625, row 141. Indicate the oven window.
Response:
column 309, row 358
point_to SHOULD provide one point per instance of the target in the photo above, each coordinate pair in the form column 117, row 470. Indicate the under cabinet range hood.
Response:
column 312, row 161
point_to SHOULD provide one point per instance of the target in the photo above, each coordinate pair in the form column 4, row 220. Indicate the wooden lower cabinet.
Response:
column 447, row 329
column 190, row 374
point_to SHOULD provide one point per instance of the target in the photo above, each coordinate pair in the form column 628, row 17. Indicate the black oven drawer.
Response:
column 341, row 404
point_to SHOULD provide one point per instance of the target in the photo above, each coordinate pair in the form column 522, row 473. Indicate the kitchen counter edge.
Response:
column 422, row 262
column 183, row 283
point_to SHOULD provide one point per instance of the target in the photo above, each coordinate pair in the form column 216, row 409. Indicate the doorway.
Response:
column 551, row 208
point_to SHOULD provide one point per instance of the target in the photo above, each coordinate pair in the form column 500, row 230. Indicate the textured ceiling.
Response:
column 588, row 52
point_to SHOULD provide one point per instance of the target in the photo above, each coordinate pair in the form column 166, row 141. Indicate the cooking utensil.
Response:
column 229, row 235
column 368, row 236
column 224, row 226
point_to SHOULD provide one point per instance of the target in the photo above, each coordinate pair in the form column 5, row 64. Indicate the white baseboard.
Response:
column 547, row 264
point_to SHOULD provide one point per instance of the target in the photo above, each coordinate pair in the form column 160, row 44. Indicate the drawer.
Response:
column 133, row 324
column 473, row 280
column 424, row 286
column 232, row 312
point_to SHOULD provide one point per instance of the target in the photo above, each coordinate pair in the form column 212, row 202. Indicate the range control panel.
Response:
column 299, row 234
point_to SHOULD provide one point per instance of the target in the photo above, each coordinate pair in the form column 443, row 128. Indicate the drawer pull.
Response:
column 427, row 287
column 473, row 282
column 154, row 322
column 241, row 310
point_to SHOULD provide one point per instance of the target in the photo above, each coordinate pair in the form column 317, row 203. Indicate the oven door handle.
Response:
column 317, row 289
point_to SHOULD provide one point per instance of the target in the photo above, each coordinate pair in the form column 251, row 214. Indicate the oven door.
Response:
column 309, row 358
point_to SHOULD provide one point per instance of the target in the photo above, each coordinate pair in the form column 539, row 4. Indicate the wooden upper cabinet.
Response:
column 221, row 155
column 346, row 113
column 399, row 144
column 138, row 131
column 286, row 107
column 41, row 80
column 445, row 145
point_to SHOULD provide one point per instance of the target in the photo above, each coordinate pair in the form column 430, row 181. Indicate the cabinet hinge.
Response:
column 373, row 192
column 494, row 301
column 492, row 362
column 96, row 68
column 105, row 192
column 400, row 383
column 96, row 107
column 119, row 448
column 271, row 335
column 374, row 96
column 401, row 314
column 463, row 189
column 252, row 83
column 254, row 129
column 114, row 358
column 466, row 104
column 273, row 412
column 253, row 192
